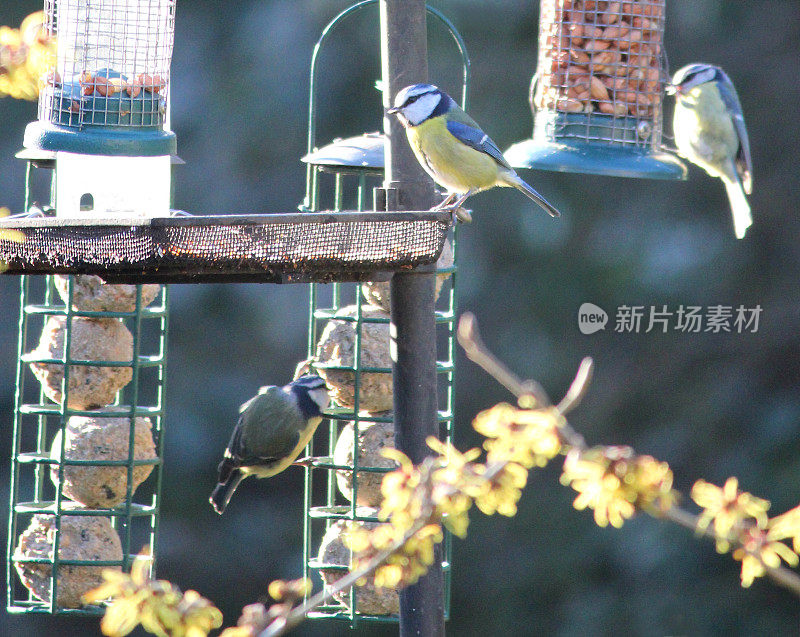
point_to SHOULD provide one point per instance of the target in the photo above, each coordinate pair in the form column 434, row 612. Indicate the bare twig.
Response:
column 478, row 353
column 577, row 390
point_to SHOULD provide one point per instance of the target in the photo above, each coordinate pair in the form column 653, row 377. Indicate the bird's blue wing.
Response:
column 730, row 98
column 477, row 139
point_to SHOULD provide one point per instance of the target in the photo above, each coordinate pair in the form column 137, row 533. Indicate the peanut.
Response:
column 592, row 33
column 103, row 86
column 579, row 57
column 612, row 13
column 616, row 32
column 569, row 105
column 576, row 32
column 150, row 83
column 618, row 110
column 87, row 82
column 633, row 37
column 559, row 61
column 606, row 62
column 593, row 46
column 598, row 89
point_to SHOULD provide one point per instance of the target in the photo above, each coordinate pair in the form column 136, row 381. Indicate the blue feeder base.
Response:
column 595, row 158
column 594, row 143
column 101, row 140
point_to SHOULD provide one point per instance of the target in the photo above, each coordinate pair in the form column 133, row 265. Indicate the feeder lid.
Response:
column 364, row 152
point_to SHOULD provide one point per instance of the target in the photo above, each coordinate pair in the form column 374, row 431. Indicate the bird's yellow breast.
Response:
column 454, row 165
column 704, row 131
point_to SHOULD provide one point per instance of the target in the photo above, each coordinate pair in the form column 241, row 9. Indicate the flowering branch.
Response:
column 738, row 518
column 27, row 58
column 418, row 500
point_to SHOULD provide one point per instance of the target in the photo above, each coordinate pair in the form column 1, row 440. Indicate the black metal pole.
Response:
column 404, row 54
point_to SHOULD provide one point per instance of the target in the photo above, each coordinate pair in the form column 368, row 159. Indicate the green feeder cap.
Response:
column 100, row 140
column 596, row 144
column 363, row 153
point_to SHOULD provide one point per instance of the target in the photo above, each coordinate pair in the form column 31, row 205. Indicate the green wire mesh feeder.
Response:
column 597, row 93
column 88, row 438
column 87, row 446
column 348, row 344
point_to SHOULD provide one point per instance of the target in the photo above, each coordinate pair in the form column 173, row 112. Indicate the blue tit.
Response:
column 273, row 428
column 710, row 132
column 453, row 149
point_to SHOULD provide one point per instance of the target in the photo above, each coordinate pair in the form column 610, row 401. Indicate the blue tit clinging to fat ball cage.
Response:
column 709, row 131
column 273, row 428
column 453, row 149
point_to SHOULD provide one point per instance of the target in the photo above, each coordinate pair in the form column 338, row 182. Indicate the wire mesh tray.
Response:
column 272, row 248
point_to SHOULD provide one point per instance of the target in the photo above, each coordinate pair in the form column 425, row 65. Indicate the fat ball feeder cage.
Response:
column 597, row 93
column 87, row 439
column 348, row 344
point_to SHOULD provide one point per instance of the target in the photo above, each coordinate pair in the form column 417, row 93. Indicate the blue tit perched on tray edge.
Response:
column 709, row 130
column 273, row 428
column 453, row 149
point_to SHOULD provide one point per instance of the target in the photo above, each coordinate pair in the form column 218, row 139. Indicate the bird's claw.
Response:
column 461, row 213
column 304, row 462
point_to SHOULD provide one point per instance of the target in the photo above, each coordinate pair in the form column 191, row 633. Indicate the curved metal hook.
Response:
column 462, row 49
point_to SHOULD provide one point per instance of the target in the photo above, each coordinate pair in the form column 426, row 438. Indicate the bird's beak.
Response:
column 393, row 110
column 673, row 89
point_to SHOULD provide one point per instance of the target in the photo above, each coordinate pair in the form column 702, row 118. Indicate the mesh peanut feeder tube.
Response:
column 107, row 92
column 598, row 89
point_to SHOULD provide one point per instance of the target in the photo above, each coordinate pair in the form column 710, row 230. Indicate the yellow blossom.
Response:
column 503, row 491
column 26, row 54
column 593, row 474
column 758, row 552
column 727, row 508
column 157, row 605
column 282, row 591
column 529, row 437
column 786, row 525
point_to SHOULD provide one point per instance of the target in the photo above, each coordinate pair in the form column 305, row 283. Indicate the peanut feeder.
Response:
column 597, row 93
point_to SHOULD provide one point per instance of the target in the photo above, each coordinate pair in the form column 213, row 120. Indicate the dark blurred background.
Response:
column 711, row 405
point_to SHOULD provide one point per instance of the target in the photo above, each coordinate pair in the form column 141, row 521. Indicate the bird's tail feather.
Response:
column 740, row 208
column 224, row 490
column 517, row 182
